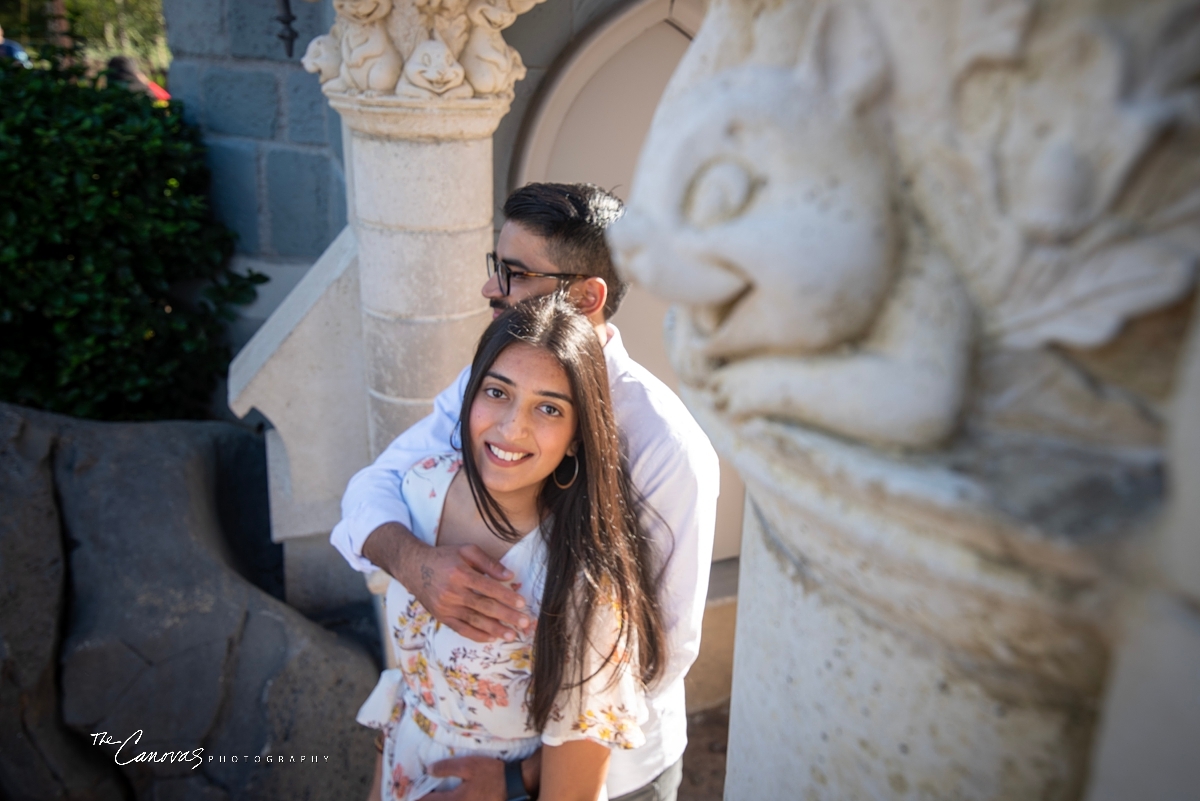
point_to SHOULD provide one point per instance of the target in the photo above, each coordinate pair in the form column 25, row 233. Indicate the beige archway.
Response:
column 588, row 125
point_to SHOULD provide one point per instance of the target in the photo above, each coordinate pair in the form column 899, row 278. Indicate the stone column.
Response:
column 420, row 88
column 932, row 261
column 422, row 214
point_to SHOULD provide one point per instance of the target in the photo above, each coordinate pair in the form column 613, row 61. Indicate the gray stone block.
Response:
column 541, row 33
column 254, row 31
column 306, row 109
column 183, row 81
column 196, row 28
column 215, row 663
column 298, row 197
column 241, row 102
column 234, row 193
column 39, row 756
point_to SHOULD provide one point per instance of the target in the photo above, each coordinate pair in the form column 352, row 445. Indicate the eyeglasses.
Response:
column 499, row 268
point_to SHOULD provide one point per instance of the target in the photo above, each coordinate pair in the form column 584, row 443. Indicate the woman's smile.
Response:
column 506, row 456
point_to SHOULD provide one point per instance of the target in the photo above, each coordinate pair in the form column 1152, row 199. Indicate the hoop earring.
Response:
column 554, row 475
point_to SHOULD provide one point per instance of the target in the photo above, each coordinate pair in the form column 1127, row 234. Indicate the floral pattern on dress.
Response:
column 400, row 782
column 409, row 628
column 416, row 676
column 450, row 695
column 610, row 724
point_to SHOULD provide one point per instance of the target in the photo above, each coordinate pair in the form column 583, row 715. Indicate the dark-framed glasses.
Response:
column 504, row 273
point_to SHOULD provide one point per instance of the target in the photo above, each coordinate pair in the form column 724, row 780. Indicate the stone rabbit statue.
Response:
column 323, row 58
column 370, row 63
column 491, row 65
column 432, row 71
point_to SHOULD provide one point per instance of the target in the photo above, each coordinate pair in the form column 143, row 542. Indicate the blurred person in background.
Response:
column 124, row 70
column 12, row 49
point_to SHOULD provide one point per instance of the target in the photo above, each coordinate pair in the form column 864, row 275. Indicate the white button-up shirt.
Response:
column 675, row 468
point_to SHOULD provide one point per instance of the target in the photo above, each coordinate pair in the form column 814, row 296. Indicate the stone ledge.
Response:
column 392, row 117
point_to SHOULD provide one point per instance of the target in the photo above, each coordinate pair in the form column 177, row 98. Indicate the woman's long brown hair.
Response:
column 598, row 549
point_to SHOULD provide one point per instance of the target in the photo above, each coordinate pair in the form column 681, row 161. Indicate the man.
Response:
column 554, row 235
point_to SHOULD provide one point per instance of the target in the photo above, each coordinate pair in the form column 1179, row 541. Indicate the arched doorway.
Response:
column 588, row 125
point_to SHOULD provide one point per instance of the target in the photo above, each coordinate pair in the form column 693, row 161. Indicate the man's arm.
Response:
column 460, row 586
column 373, row 498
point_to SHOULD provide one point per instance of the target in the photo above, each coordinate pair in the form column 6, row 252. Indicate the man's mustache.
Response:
column 496, row 303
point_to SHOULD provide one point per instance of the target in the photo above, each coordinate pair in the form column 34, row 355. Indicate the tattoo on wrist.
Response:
column 426, row 576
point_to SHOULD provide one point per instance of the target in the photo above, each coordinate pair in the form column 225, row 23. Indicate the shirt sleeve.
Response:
column 373, row 495
column 610, row 706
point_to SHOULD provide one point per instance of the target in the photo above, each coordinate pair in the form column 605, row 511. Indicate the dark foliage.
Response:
column 114, row 292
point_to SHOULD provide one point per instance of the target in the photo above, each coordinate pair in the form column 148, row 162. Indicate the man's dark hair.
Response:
column 572, row 219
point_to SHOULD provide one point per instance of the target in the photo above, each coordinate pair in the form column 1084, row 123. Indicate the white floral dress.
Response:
column 455, row 697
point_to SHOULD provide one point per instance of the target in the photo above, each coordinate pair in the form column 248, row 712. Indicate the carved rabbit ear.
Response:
column 844, row 55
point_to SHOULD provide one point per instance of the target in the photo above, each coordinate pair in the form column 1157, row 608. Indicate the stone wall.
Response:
column 274, row 145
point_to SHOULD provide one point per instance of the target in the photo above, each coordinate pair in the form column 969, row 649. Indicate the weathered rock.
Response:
column 167, row 639
column 39, row 757
column 164, row 638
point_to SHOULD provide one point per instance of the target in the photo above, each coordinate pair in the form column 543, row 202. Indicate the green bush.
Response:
column 114, row 288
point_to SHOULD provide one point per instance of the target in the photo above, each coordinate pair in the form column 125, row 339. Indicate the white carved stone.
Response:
column 427, row 51
column 322, row 57
column 931, row 261
column 369, row 61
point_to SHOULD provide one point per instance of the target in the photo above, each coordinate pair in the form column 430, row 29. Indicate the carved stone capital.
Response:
column 442, row 63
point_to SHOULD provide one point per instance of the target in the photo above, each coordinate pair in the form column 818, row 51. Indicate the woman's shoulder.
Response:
column 436, row 472
column 433, row 473
column 438, row 465
column 424, row 491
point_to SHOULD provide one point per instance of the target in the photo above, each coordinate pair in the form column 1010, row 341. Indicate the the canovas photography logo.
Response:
column 127, row 754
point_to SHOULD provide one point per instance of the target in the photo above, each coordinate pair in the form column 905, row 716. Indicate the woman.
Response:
column 542, row 489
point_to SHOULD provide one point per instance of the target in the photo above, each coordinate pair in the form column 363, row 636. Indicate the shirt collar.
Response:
column 616, row 358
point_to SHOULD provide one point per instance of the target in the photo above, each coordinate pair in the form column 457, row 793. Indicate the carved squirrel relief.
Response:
column 966, row 237
column 882, row 253
column 420, row 50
